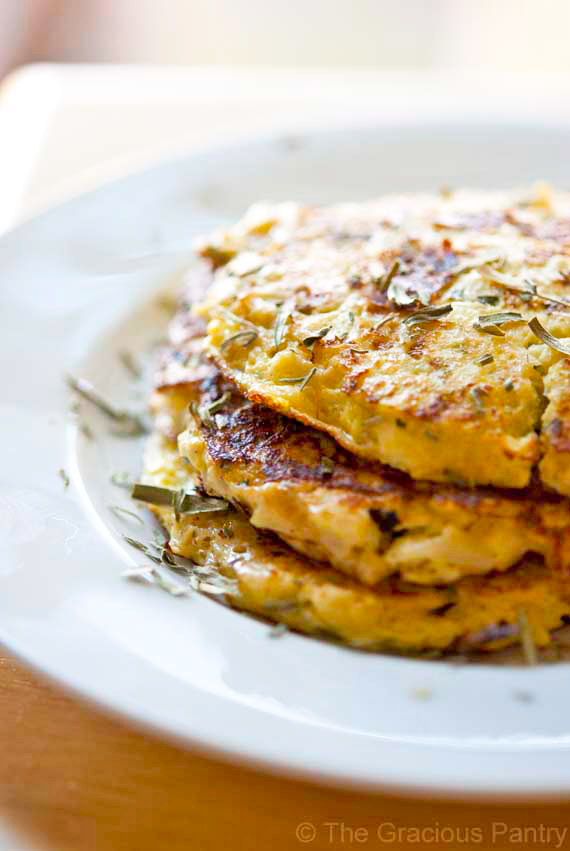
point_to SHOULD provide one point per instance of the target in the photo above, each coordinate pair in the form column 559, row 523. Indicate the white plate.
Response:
column 75, row 287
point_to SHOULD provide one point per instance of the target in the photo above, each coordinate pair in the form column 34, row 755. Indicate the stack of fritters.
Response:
column 381, row 393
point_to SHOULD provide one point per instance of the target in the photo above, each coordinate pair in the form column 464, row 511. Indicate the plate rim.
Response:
column 244, row 756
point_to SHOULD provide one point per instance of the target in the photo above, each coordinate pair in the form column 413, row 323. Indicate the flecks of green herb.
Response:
column 545, row 298
column 309, row 342
column 505, row 281
column 302, row 380
column 471, row 263
column 489, row 323
column 218, row 404
column 384, row 282
column 283, row 316
column 499, row 318
column 130, row 364
column 427, row 314
column 239, row 320
column 243, row 338
column 527, row 641
column 121, row 513
column 491, row 300
column 385, row 320
column 75, row 410
column 477, row 394
column 188, row 503
column 199, row 577
column 493, row 330
column 131, row 425
column 278, row 630
column 485, row 359
column 527, row 292
column 547, row 338
column 422, row 694
column 64, row 477
column 142, row 547
column 122, row 480
column 157, row 576
column 177, row 500
column 86, row 431
column 327, row 465
column 200, row 413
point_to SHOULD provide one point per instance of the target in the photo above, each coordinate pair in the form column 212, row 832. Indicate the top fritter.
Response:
column 401, row 327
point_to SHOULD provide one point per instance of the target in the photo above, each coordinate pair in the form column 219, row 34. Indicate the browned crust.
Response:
column 281, row 449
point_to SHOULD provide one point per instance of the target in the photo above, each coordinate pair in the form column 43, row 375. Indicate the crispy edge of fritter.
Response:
column 273, row 581
column 548, row 234
column 275, row 468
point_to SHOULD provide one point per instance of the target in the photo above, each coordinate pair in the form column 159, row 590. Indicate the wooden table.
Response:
column 71, row 777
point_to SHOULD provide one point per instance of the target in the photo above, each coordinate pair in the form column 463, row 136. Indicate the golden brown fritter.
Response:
column 367, row 520
column 273, row 581
column 400, row 327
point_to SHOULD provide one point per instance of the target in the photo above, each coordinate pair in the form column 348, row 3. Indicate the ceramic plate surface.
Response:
column 78, row 285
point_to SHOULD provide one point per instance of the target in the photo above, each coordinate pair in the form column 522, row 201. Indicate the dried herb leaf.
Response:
column 302, row 380
column 477, row 394
column 128, row 360
column 428, row 314
column 491, row 300
column 384, row 282
column 489, row 322
column 122, row 480
column 386, row 319
column 188, row 503
column 499, row 318
column 422, row 693
column 527, row 291
column 283, row 316
column 218, row 404
column 509, row 282
column 243, row 338
column 64, row 477
column 86, row 431
column 278, row 630
column 121, row 512
column 549, row 339
column 493, row 330
column 527, row 641
column 130, row 424
column 485, row 359
column 471, row 263
column 198, row 577
column 158, row 576
column 239, row 320
column 309, row 342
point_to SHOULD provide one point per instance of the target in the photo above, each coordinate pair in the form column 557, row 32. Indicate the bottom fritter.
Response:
column 484, row 613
